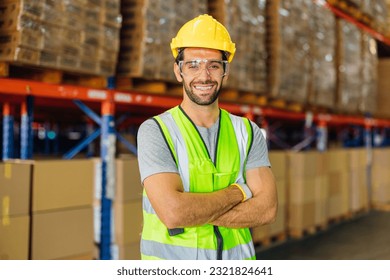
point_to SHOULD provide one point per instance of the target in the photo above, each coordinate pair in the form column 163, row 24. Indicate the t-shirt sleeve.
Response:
column 153, row 152
column 258, row 154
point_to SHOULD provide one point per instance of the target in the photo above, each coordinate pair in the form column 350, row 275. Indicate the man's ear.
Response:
column 176, row 70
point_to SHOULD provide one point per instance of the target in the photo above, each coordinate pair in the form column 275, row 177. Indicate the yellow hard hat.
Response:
column 203, row 32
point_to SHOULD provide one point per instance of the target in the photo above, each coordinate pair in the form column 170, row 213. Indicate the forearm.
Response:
column 194, row 209
column 247, row 214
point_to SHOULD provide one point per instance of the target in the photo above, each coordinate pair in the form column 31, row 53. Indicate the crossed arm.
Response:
column 177, row 208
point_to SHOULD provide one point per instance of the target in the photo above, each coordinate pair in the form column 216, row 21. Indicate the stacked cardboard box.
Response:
column 380, row 195
column 358, row 184
column 369, row 75
column 289, row 49
column 46, row 210
column 377, row 11
column 126, row 210
column 307, row 192
column 349, row 57
column 246, row 24
column 62, row 216
column 14, row 210
column 277, row 229
column 148, row 28
column 383, row 101
column 339, row 191
column 322, row 83
column 80, row 36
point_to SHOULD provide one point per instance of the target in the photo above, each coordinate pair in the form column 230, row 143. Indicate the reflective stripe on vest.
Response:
column 200, row 174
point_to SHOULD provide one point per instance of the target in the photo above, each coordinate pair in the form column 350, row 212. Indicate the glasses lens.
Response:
column 216, row 68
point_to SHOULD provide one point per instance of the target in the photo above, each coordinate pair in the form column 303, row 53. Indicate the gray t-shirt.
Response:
column 155, row 157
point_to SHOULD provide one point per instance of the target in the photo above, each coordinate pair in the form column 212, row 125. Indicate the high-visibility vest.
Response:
column 200, row 174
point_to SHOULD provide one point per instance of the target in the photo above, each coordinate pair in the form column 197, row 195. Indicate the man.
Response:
column 206, row 173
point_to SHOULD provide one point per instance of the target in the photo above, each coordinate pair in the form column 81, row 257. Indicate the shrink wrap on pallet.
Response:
column 147, row 30
column 67, row 34
column 246, row 23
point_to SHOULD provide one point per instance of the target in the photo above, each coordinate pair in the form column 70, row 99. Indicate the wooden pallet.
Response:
column 305, row 232
column 385, row 207
column 269, row 241
column 339, row 219
column 48, row 75
column 149, row 86
column 280, row 103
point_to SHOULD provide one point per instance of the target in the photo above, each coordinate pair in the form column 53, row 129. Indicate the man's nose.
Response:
column 203, row 70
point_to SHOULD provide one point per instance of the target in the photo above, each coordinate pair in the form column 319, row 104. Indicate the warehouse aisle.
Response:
column 364, row 238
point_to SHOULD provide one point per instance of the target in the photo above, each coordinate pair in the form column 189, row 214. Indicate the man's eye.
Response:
column 215, row 65
column 193, row 65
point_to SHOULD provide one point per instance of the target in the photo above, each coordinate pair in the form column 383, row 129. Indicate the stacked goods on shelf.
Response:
column 349, row 60
column 147, row 30
column 14, row 210
column 387, row 24
column 369, row 75
column 276, row 230
column 245, row 21
column 358, row 164
column 289, row 49
column 307, row 194
column 380, row 195
column 322, row 83
column 383, row 96
column 377, row 11
column 338, row 174
column 80, row 36
column 126, row 210
column 61, row 210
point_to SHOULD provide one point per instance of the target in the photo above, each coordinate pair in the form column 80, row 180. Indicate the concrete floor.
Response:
column 366, row 237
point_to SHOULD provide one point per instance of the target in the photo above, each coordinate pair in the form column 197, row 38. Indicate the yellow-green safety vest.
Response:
column 200, row 174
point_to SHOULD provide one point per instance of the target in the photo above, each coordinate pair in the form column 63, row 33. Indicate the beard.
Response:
column 198, row 100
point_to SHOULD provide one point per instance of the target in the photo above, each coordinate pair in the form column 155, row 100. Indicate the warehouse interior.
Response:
column 78, row 77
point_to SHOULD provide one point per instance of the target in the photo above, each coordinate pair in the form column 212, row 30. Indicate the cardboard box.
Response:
column 129, row 252
column 128, row 220
column 339, row 194
column 15, row 179
column 14, row 237
column 306, row 164
column 278, row 160
column 62, row 234
column 128, row 180
column 61, row 184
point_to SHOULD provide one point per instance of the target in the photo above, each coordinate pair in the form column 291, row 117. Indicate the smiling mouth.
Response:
column 203, row 88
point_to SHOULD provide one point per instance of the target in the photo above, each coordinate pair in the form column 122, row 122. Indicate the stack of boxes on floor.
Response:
column 359, row 161
column 126, row 210
column 277, row 230
column 14, row 210
column 46, row 209
column 307, row 192
column 380, row 191
column 80, row 36
column 339, row 190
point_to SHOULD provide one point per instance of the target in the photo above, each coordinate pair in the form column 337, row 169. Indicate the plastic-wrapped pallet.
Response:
column 349, row 89
column 377, row 11
column 80, row 36
column 246, row 23
column 369, row 75
column 148, row 28
column 290, row 49
column 322, row 85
